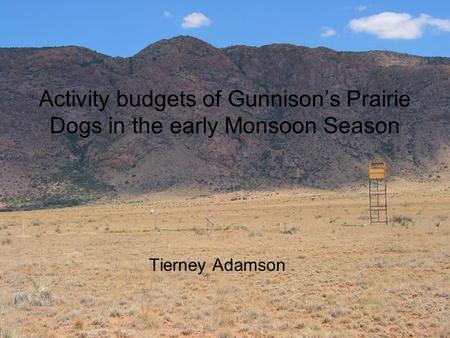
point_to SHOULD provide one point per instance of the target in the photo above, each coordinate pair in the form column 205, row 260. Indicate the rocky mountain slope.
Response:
column 39, row 169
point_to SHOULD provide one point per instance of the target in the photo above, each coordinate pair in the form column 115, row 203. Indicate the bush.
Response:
column 6, row 241
column 402, row 220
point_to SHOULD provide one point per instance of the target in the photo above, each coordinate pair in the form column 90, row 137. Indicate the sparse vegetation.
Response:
column 35, row 223
column 288, row 230
column 79, row 324
column 404, row 221
column 5, row 333
column 6, row 241
column 40, row 295
column 345, row 224
column 148, row 317
column 342, row 278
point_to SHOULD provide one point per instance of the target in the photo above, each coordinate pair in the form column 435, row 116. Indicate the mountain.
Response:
column 41, row 169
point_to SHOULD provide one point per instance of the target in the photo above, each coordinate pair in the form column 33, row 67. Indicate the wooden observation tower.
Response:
column 378, row 207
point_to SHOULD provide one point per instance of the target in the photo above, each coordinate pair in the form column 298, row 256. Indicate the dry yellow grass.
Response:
column 84, row 271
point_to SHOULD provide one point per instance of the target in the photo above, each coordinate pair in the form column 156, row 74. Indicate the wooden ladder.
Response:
column 378, row 203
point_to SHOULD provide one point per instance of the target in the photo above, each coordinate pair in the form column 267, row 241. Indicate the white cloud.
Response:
column 196, row 20
column 167, row 14
column 328, row 32
column 391, row 25
column 361, row 8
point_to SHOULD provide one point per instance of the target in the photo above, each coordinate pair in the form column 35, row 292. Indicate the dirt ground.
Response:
column 85, row 271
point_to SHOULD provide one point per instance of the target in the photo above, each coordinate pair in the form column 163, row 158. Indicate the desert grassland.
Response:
column 84, row 271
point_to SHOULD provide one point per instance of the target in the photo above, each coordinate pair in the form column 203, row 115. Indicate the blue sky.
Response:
column 122, row 28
